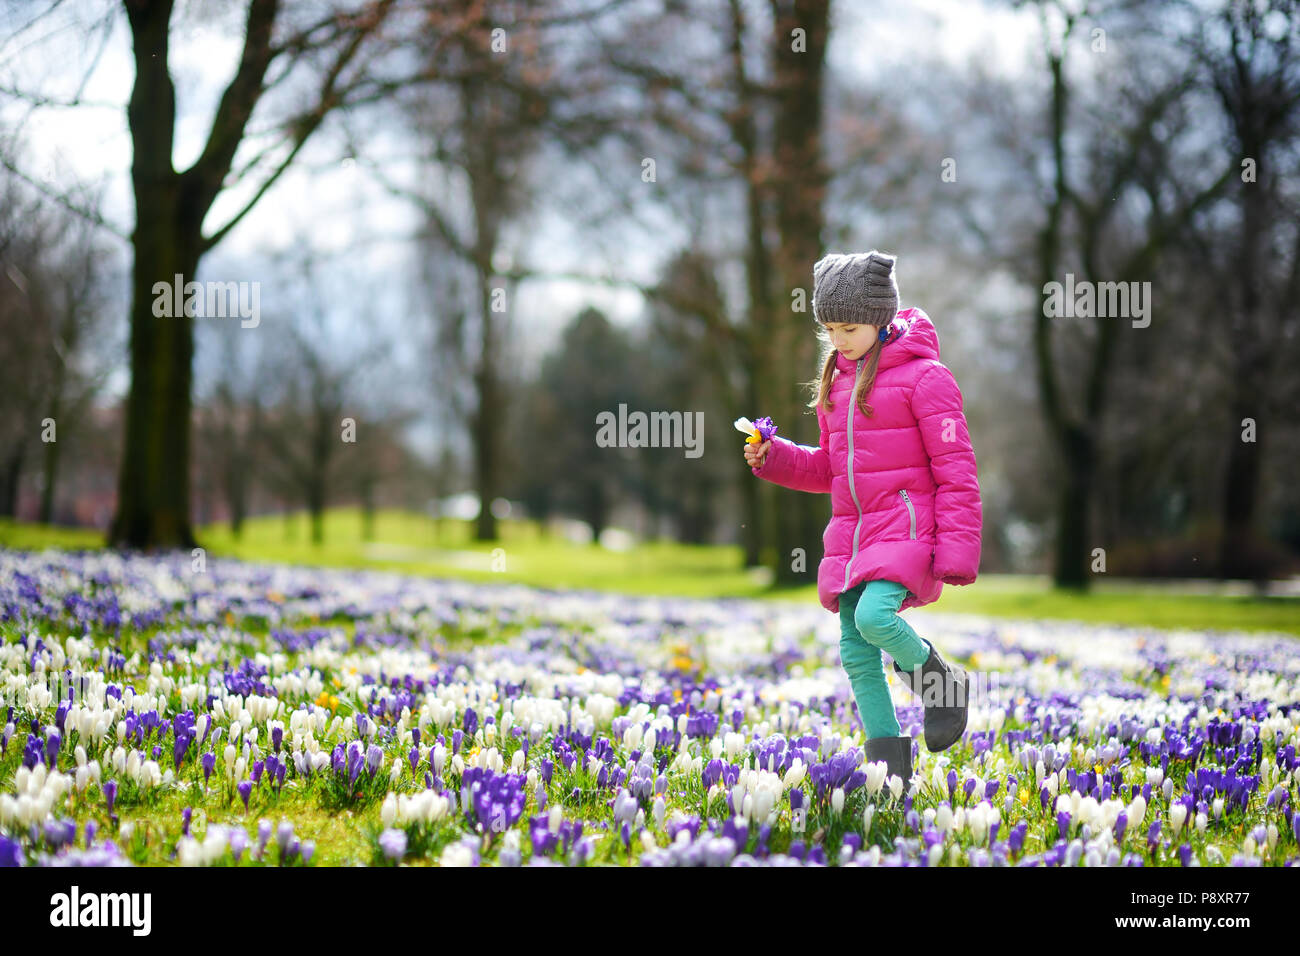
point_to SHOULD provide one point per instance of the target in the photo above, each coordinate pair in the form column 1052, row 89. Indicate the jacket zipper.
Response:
column 849, row 473
column 910, row 512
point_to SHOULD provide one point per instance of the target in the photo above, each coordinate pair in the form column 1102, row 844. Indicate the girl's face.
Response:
column 852, row 341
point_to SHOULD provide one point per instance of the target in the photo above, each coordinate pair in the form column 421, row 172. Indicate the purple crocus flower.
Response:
column 59, row 833
column 355, row 760
column 238, row 843
column 11, row 852
column 766, row 429
column 208, row 761
column 185, row 820
column 179, row 746
column 374, row 758
column 263, row 834
column 277, row 735
column 284, row 836
column 1016, row 839
column 245, row 787
column 256, row 774
column 393, row 843
column 1153, row 836
column 110, row 794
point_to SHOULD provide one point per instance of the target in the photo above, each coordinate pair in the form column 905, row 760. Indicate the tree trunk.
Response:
column 487, row 417
column 13, row 470
column 316, row 508
column 1250, row 360
column 50, row 465
column 368, row 510
column 801, row 170
column 1070, row 568
column 153, row 495
column 154, row 481
column 1073, row 520
column 596, row 510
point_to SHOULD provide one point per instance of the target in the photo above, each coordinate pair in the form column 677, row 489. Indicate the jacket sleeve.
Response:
column 958, row 514
column 800, row 467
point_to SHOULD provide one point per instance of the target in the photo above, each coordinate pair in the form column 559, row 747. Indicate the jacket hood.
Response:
column 919, row 339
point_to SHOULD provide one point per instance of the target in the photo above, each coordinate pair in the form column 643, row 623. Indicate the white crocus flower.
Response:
column 188, row 852
column 875, row 777
column 733, row 743
column 388, row 811
column 896, row 786
column 1177, row 817
column 456, row 854
column 794, row 775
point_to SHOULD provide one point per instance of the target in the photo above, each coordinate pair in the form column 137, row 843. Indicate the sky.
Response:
column 333, row 207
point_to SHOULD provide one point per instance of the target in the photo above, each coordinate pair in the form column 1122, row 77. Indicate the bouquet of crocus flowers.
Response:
column 758, row 431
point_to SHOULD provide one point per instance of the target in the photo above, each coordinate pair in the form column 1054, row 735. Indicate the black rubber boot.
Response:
column 944, row 692
column 896, row 752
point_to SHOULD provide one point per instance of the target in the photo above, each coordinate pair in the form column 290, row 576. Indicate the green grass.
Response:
column 413, row 543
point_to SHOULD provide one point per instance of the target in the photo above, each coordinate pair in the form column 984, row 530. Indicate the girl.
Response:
column 905, row 500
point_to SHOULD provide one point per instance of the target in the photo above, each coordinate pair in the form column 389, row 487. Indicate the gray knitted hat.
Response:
column 857, row 288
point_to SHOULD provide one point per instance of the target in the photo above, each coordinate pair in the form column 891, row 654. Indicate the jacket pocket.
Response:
column 911, row 513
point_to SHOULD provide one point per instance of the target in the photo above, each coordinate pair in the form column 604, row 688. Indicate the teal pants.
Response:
column 869, row 624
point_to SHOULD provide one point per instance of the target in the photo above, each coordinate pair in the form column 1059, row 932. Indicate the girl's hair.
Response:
column 821, row 385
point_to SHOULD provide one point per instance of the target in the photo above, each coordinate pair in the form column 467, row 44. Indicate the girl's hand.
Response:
column 756, row 455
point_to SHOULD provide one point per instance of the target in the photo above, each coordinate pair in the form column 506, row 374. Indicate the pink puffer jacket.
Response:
column 912, row 513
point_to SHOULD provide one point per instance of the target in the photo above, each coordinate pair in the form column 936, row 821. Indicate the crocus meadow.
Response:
column 158, row 713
